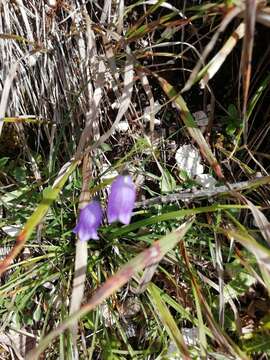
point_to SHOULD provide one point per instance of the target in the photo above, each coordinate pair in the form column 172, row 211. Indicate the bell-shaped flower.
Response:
column 121, row 200
column 89, row 221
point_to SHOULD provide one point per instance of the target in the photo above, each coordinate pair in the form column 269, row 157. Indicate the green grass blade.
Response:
column 50, row 194
column 168, row 321
column 146, row 258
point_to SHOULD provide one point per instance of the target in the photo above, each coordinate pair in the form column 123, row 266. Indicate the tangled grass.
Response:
column 89, row 88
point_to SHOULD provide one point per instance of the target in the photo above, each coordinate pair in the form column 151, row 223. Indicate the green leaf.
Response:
column 241, row 281
column 3, row 162
column 259, row 343
column 167, row 182
column 37, row 313
column 233, row 112
column 20, row 174
column 230, row 129
column 105, row 147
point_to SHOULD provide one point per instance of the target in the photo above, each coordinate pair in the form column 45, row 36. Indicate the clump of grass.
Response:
column 88, row 90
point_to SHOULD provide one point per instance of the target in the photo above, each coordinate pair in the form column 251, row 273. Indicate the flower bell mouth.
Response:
column 121, row 200
column 89, row 221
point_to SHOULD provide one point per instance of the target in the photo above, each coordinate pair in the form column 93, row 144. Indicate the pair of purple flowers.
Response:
column 120, row 205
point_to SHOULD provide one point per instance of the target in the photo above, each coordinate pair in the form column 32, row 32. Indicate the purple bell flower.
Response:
column 89, row 221
column 121, row 200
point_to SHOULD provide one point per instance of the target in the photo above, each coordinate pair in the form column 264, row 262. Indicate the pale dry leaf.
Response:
column 261, row 253
column 189, row 159
column 214, row 65
column 108, row 318
column 166, row 5
column 106, row 12
column 201, row 119
column 263, row 16
column 120, row 16
column 125, row 97
column 260, row 220
column 209, row 47
column 11, row 230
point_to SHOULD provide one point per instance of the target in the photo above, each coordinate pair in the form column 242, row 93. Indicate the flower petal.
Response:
column 121, row 200
column 125, row 218
column 89, row 221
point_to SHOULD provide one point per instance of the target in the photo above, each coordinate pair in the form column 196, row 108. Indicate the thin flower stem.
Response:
column 81, row 255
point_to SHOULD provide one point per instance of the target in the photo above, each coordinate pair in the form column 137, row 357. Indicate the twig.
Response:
column 188, row 195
